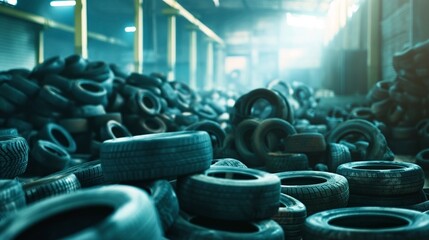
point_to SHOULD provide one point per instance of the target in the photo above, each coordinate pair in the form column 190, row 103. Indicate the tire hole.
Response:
column 118, row 132
column 66, row 223
column 54, row 151
column 368, row 221
column 147, row 101
column 90, row 87
column 232, row 175
column 59, row 136
column 222, row 225
column 302, row 181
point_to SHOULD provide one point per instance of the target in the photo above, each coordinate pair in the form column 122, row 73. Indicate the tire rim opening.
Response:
column 378, row 167
column 147, row 101
column 63, row 224
column 60, row 137
column 261, row 108
column 119, row 132
column 54, row 151
column 302, row 181
column 222, row 225
column 368, row 221
column 90, row 87
column 425, row 155
column 232, row 175
column 152, row 124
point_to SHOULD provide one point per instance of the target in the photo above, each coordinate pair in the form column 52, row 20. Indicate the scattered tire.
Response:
column 49, row 157
column 113, row 129
column 291, row 217
column 318, row 191
column 367, row 223
column 228, row 162
column 12, row 197
column 50, row 186
column 337, row 155
column 197, row 227
column 422, row 159
column 155, row 156
column 89, row 173
column 112, row 212
column 13, row 156
column 55, row 133
column 305, row 143
column 382, row 178
column 282, row 162
column 230, row 193
column 359, row 200
column 243, row 135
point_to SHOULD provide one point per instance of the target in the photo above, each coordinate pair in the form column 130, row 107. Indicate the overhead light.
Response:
column 216, row 3
column 130, row 29
column 63, row 3
column 10, row 2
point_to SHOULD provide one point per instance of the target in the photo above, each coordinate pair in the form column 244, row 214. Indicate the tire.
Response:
column 165, row 200
column 12, row 197
column 186, row 119
column 53, row 65
column 101, row 120
column 74, row 66
column 63, row 83
column 89, row 173
column 88, row 92
column 356, row 200
column 6, row 107
column 229, row 193
column 13, row 95
column 305, row 143
column 113, row 129
column 318, row 191
column 279, row 127
column 145, row 103
column 217, row 134
column 228, row 162
column 48, row 157
column 75, row 125
column 57, row 134
column 9, row 132
column 422, row 159
column 243, row 142
column 197, row 227
column 155, row 156
column 54, row 97
column 282, row 162
column 378, row 149
column 147, row 125
column 367, row 223
column 382, row 178
column 50, row 186
column 13, row 156
column 337, row 155
column 291, row 217
column 112, row 212
column 88, row 111
column 26, row 86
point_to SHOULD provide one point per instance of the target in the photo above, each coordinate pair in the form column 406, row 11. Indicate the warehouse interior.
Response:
column 214, row 119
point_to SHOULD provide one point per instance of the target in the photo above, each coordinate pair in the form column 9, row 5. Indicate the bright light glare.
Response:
column 62, row 3
column 130, row 29
column 305, row 21
column 10, row 2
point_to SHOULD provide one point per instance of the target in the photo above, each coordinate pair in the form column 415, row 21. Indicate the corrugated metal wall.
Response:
column 18, row 41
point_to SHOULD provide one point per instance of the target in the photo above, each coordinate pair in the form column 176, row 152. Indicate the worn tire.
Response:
column 382, row 178
column 291, row 216
column 317, row 190
column 156, row 156
column 337, row 155
column 12, row 197
column 367, row 223
column 228, row 162
column 230, row 193
column 112, row 212
column 305, row 143
column 57, row 134
column 243, row 135
column 282, row 162
column 13, row 156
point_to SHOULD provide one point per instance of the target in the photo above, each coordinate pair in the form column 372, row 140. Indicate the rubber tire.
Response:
column 357, row 200
column 13, row 156
column 88, row 92
column 332, row 192
column 26, row 86
column 75, row 125
column 185, row 229
column 367, row 223
column 50, row 186
column 378, row 149
column 291, row 216
column 112, row 212
column 155, row 156
column 88, row 111
column 57, row 134
column 382, row 178
column 49, row 157
column 305, row 143
column 12, row 197
column 422, row 159
column 243, row 135
column 217, row 134
column 337, row 154
column 228, row 162
column 261, row 132
column 9, row 132
column 165, row 200
column 54, row 97
column 89, row 173
column 138, row 105
column 13, row 95
column 113, row 129
column 282, row 162
column 217, row 194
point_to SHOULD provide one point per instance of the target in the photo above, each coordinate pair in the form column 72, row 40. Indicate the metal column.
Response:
column 81, row 31
column 209, row 67
column 220, row 70
column 40, row 46
column 373, row 60
column 138, row 36
column 193, row 58
column 171, row 43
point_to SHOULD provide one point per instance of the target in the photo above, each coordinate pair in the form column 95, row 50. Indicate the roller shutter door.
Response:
column 18, row 41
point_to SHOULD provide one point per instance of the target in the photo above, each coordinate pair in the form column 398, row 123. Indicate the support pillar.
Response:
column 138, row 36
column 40, row 46
column 81, row 31
column 208, row 83
column 171, row 42
column 373, row 60
column 193, row 57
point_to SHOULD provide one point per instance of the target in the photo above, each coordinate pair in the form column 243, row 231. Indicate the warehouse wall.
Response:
column 17, row 43
column 396, row 32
